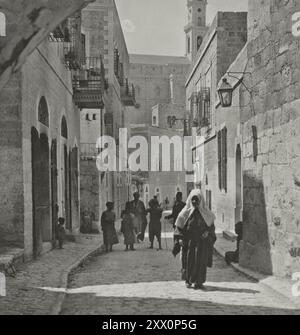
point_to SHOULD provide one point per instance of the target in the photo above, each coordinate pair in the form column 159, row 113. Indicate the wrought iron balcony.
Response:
column 89, row 84
column 202, row 109
column 128, row 94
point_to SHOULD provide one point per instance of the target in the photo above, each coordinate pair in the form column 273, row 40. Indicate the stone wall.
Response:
column 90, row 194
column 229, row 204
column 11, row 169
column 271, row 159
column 151, row 78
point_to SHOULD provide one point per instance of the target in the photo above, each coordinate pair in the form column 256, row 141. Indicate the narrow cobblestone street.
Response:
column 148, row 282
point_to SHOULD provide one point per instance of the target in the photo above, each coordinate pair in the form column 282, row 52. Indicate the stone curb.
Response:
column 258, row 278
column 64, row 279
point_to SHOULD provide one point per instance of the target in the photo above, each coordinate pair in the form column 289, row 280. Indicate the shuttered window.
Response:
column 222, row 158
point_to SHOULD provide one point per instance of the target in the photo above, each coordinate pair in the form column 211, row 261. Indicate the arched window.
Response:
column 199, row 42
column 87, row 117
column 154, row 122
column 43, row 114
column 64, row 128
column 188, row 44
column 94, row 117
column 2, row 24
column 157, row 91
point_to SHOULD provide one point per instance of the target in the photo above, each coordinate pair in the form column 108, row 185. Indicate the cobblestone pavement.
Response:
column 148, row 282
column 24, row 293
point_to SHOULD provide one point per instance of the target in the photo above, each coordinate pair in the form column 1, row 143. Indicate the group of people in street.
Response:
column 194, row 231
column 134, row 223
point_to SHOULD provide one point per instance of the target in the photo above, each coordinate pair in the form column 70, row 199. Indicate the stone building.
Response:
column 39, row 142
column 221, row 44
column 160, row 96
column 158, row 80
column 270, row 132
column 104, row 37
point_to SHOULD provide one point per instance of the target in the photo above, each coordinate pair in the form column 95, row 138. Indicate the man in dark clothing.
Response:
column 177, row 208
column 155, row 223
column 233, row 256
column 137, row 208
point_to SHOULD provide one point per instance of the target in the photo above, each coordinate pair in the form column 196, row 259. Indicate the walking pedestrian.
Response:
column 137, row 208
column 108, row 219
column 196, row 231
column 127, row 228
column 155, row 224
column 177, row 208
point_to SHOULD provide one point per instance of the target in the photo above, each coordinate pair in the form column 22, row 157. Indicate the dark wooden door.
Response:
column 74, row 186
column 67, row 188
column 36, row 218
column 54, row 197
column 45, row 189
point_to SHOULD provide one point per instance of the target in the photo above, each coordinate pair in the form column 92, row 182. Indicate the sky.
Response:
column 156, row 26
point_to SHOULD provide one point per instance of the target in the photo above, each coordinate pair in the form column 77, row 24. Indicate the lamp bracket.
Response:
column 230, row 74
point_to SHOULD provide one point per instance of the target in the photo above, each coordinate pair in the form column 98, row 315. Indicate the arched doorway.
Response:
column 36, row 217
column 238, row 174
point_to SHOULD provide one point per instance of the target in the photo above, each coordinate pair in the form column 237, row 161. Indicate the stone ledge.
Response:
column 279, row 286
column 9, row 257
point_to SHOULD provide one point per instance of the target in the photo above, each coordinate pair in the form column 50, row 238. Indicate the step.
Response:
column 229, row 235
column 9, row 257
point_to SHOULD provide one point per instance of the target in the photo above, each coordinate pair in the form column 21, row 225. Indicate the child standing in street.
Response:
column 61, row 233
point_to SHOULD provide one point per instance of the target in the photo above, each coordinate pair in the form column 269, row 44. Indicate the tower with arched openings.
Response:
column 196, row 26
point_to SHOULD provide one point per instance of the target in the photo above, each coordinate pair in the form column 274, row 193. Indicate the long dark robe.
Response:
column 108, row 227
column 155, row 223
column 197, row 252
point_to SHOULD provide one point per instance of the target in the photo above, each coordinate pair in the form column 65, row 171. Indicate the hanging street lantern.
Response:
column 225, row 93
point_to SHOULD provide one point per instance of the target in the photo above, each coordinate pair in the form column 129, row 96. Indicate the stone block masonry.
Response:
column 11, row 176
column 272, row 227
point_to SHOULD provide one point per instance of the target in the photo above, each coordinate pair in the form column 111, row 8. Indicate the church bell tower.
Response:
column 196, row 27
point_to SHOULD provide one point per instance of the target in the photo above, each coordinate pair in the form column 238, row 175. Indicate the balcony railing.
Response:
column 201, row 108
column 128, row 94
column 89, row 84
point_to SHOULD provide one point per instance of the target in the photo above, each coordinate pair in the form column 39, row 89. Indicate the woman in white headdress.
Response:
column 195, row 228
